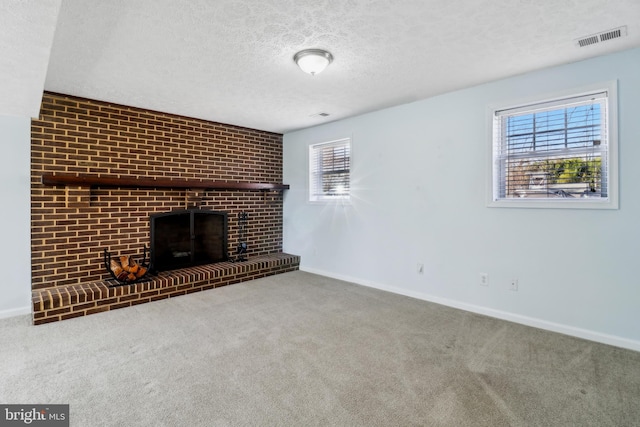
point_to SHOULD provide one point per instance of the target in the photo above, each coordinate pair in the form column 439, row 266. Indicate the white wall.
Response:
column 15, row 244
column 418, row 195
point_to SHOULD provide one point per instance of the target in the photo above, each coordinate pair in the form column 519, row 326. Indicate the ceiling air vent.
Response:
column 602, row 37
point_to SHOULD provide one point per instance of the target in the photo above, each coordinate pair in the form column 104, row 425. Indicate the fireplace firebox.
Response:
column 187, row 238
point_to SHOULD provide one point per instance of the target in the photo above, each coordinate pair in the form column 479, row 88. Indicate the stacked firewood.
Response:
column 126, row 269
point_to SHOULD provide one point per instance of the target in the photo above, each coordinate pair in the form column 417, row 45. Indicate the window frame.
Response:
column 494, row 162
column 324, row 198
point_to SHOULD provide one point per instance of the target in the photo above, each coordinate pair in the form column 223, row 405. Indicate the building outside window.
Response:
column 558, row 152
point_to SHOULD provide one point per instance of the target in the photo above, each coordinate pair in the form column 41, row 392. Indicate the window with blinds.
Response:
column 329, row 170
column 558, row 150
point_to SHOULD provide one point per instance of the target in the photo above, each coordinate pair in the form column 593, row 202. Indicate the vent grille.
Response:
column 602, row 37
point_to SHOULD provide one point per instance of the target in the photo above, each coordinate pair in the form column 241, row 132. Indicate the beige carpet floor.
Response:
column 299, row 349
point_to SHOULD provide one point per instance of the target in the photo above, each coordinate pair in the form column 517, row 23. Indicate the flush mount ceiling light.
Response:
column 313, row 61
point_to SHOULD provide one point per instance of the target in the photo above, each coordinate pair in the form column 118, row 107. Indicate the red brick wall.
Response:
column 71, row 226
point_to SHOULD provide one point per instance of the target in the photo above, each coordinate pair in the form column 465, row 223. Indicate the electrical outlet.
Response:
column 484, row 279
column 420, row 268
column 513, row 285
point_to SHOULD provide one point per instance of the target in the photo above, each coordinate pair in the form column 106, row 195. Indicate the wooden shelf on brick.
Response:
column 134, row 182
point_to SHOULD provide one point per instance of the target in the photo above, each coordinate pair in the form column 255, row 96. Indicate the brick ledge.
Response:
column 66, row 302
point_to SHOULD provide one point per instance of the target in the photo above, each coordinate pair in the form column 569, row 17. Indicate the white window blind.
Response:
column 553, row 150
column 329, row 170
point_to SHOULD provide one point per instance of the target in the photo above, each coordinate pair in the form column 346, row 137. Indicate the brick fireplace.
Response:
column 73, row 223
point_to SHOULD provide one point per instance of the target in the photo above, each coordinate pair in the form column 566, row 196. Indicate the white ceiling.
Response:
column 230, row 61
column 26, row 35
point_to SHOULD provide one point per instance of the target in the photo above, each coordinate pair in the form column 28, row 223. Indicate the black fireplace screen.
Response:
column 188, row 237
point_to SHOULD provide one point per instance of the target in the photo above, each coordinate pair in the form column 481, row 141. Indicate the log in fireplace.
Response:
column 187, row 238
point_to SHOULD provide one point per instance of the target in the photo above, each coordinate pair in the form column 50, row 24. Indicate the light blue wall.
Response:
column 15, row 190
column 419, row 196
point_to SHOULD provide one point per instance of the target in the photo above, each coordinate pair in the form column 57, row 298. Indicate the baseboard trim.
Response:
column 498, row 314
column 4, row 314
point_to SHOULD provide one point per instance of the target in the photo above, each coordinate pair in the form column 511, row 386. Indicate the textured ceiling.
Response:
column 231, row 61
column 26, row 34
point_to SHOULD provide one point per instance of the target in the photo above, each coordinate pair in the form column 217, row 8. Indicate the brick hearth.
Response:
column 66, row 302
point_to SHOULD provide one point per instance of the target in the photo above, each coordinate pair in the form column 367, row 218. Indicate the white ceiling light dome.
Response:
column 313, row 61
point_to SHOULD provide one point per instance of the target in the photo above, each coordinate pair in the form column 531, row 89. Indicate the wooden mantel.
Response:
column 134, row 182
